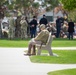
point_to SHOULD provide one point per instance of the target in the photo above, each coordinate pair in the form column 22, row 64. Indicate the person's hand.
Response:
column 32, row 25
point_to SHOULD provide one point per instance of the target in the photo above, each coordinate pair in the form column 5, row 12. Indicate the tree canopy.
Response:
column 69, row 4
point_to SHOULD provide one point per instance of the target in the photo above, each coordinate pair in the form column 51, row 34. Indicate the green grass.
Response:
column 65, row 57
column 14, row 43
column 63, row 72
column 24, row 43
column 60, row 42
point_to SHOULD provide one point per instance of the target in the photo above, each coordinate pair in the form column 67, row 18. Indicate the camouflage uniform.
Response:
column 23, row 28
column 18, row 27
column 11, row 28
column 0, row 30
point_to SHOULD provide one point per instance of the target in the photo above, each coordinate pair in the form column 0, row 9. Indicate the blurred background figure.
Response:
column 70, row 29
column 33, row 27
column 58, row 27
column 24, row 25
column 75, row 28
column 18, row 27
column 11, row 34
column 59, row 23
column 5, row 27
column 28, row 27
column 0, row 29
column 43, row 20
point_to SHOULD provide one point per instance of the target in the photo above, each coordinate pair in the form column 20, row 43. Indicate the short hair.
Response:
column 34, row 16
column 43, row 15
column 42, row 26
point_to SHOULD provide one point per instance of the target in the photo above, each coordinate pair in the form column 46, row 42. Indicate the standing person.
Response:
column 0, row 29
column 23, row 27
column 5, row 27
column 43, row 20
column 41, row 38
column 33, row 25
column 70, row 29
column 18, row 27
column 28, row 27
column 11, row 27
column 75, row 29
column 58, row 26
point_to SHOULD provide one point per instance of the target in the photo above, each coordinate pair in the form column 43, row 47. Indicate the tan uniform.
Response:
column 42, row 36
column 11, row 27
column 23, row 28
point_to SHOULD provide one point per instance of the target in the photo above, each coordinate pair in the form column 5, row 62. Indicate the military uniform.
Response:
column 23, row 28
column 11, row 28
column 18, row 27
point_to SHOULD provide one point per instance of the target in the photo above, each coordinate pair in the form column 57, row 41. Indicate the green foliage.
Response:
column 35, row 5
column 51, row 3
column 69, row 4
column 18, row 3
column 23, row 3
column 2, row 2
column 72, row 15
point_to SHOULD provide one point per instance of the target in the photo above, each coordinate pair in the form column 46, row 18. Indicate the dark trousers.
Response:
column 70, row 36
column 30, row 47
column 33, row 33
column 58, row 32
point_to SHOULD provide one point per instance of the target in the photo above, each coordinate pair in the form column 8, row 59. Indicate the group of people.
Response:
column 34, row 25
column 22, row 28
column 39, row 32
column 63, row 26
column 42, row 36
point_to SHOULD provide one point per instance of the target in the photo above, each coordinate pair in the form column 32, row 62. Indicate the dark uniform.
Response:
column 43, row 20
column 33, row 25
column 70, row 29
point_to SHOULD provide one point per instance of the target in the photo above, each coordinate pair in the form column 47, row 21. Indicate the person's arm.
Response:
column 46, row 21
column 30, row 23
column 40, row 21
column 73, row 24
column 39, row 36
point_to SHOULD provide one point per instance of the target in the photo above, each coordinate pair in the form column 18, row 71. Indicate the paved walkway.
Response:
column 13, row 62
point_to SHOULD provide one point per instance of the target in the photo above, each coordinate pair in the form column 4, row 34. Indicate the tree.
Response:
column 72, row 15
column 70, row 7
column 2, row 8
column 69, row 4
column 50, row 5
column 35, row 7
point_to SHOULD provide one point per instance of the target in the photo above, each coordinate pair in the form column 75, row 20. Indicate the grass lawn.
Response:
column 63, row 43
column 65, row 57
column 14, row 43
column 63, row 72
column 24, row 43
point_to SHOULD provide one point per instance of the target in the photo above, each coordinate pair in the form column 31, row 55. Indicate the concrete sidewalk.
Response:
column 13, row 62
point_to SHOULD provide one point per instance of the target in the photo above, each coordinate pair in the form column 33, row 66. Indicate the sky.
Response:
column 38, row 1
